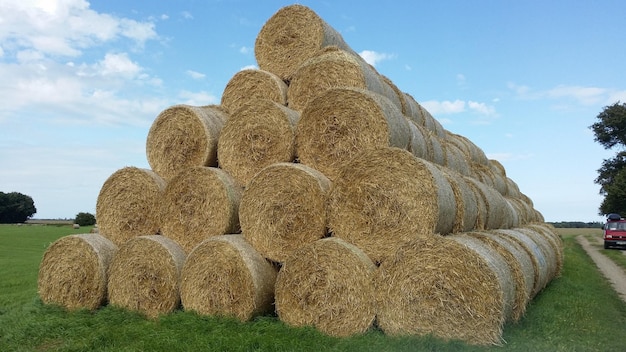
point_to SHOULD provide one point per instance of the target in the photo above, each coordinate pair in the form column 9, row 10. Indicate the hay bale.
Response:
column 432, row 124
column 333, row 69
column 512, row 189
column 465, row 200
column 198, row 203
column 127, row 204
column 225, row 276
column 252, row 84
column 440, row 287
column 413, row 110
column 497, row 209
column 550, row 233
column 522, row 271
column 550, row 252
column 420, row 143
column 540, row 265
column 454, row 157
column 342, row 122
column 391, row 91
column 327, row 284
column 292, row 35
column 386, row 196
column 437, row 154
column 73, row 271
column 475, row 154
column 260, row 133
column 284, row 208
column 144, row 275
column 184, row 136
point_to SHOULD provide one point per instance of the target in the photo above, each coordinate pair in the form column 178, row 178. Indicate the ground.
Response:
column 608, row 268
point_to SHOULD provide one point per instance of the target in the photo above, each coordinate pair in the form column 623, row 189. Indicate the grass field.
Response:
column 577, row 312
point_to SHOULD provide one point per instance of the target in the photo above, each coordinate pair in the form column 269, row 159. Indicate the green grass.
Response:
column 577, row 312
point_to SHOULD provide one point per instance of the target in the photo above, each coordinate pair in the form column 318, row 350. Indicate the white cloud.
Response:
column 249, row 67
column 563, row 94
column 118, row 65
column 481, row 108
column 197, row 98
column 195, row 74
column 186, row 15
column 245, row 50
column 444, row 107
column 373, row 57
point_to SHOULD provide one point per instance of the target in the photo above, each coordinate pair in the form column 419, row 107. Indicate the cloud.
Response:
column 481, row 108
column 186, row 15
column 197, row 98
column 118, row 65
column 249, row 67
column 245, row 50
column 563, row 94
column 373, row 57
column 444, row 107
column 194, row 74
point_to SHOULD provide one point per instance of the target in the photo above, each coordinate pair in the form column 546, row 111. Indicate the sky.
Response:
column 82, row 82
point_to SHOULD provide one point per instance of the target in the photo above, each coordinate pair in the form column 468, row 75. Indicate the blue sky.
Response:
column 83, row 81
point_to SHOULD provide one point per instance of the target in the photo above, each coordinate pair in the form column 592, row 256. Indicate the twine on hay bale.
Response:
column 523, row 273
column 284, row 208
column 327, row 284
column 184, row 136
column 465, row 200
column 127, row 204
column 253, row 84
column 332, row 69
column 260, row 133
column 198, row 203
column 540, row 265
column 225, row 276
column 73, row 271
column 144, row 275
column 438, row 286
column 292, row 35
column 386, row 196
column 420, row 144
column 342, row 122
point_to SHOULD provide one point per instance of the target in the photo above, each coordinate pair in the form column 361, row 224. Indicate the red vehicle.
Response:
column 614, row 231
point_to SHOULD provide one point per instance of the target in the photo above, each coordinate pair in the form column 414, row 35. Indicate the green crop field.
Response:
column 577, row 312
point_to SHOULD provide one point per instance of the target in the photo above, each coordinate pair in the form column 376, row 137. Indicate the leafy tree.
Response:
column 85, row 219
column 15, row 207
column 610, row 132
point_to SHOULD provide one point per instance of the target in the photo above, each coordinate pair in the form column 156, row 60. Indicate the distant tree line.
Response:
column 576, row 224
column 16, row 207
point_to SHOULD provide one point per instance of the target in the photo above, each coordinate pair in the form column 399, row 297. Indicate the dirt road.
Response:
column 608, row 268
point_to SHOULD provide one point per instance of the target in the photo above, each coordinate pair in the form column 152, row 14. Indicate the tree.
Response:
column 85, row 219
column 15, row 207
column 610, row 132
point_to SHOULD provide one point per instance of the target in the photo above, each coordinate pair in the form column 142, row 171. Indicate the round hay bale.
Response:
column 437, row 153
column 476, row 154
column 413, row 110
column 386, row 196
column 500, row 267
column 184, row 136
column 550, row 252
column 260, row 133
column 332, row 69
column 550, row 233
column 524, row 211
column 327, row 284
column 144, row 275
column 497, row 167
column 391, row 91
column 540, row 265
column 225, row 276
column 420, row 143
column 440, row 287
column 514, row 214
column 284, row 208
column 432, row 124
column 465, row 200
column 454, row 157
column 512, row 189
column 127, row 204
column 522, row 271
column 342, row 122
column 73, row 271
column 198, row 203
column 252, row 84
column 292, row 35
column 497, row 210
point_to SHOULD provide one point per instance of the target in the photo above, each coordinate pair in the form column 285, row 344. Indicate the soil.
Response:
column 613, row 273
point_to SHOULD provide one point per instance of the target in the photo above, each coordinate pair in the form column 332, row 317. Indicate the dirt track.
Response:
column 610, row 270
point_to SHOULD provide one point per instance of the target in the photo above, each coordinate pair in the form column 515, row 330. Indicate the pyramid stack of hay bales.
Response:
column 321, row 187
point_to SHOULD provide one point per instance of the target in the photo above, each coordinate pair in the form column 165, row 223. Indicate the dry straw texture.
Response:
column 260, row 133
column 327, row 284
column 465, row 200
column 144, row 275
column 522, row 271
column 290, row 37
column 386, row 196
column 225, row 276
column 252, row 84
column 420, row 144
column 342, row 122
column 284, row 208
column 550, row 233
column 437, row 286
column 184, row 136
column 412, row 110
column 127, row 204
column 73, row 271
column 497, row 213
column 198, row 203
column 332, row 69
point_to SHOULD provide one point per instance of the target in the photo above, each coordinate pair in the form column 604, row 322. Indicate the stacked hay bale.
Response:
column 320, row 186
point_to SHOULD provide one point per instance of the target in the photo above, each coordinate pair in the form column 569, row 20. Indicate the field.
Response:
column 577, row 312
